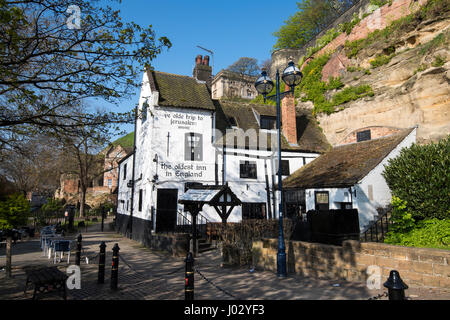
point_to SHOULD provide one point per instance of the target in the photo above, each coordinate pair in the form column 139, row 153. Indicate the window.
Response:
column 125, row 171
column 363, row 136
column 322, row 200
column 253, row 211
column 284, row 168
column 268, row 123
column 140, row 200
column 247, row 170
column 193, row 146
column 109, row 183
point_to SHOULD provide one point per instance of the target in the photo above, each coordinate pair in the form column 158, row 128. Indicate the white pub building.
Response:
column 184, row 138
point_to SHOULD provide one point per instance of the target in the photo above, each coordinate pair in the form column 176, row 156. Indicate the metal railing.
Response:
column 377, row 230
column 184, row 224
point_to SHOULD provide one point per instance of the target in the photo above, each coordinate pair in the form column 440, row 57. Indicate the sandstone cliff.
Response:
column 409, row 72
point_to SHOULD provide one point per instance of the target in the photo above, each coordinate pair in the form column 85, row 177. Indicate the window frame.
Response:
column 244, row 169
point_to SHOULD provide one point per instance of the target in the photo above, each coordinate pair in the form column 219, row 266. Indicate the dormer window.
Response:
column 363, row 136
column 268, row 123
column 232, row 121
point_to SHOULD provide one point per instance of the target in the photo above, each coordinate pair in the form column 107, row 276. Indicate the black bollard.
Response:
column 189, row 278
column 396, row 286
column 101, row 263
column 115, row 267
column 78, row 253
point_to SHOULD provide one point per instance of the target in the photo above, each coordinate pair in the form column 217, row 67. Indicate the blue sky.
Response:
column 231, row 29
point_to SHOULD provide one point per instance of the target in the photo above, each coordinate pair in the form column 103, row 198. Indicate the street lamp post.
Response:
column 264, row 85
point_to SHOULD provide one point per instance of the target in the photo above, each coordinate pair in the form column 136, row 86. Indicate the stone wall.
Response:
column 280, row 58
column 418, row 267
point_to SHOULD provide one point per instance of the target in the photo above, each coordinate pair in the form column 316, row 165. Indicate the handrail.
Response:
column 184, row 224
column 373, row 228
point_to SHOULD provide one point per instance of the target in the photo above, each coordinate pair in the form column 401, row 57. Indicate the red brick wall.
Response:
column 378, row 20
column 288, row 118
column 375, row 132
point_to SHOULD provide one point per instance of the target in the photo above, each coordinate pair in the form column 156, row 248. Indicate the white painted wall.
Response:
column 124, row 193
column 381, row 194
column 366, row 202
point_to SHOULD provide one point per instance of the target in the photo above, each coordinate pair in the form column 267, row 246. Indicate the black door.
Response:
column 166, row 210
column 322, row 200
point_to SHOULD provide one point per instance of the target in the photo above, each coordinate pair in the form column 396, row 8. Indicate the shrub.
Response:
column 402, row 221
column 429, row 233
column 14, row 211
column 420, row 176
column 313, row 88
column 351, row 93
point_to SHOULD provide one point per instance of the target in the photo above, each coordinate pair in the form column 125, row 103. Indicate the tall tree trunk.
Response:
column 82, row 201
column 8, row 256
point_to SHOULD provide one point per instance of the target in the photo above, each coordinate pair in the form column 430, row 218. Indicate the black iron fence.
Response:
column 377, row 230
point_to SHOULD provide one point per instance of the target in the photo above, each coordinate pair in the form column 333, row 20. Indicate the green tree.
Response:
column 14, row 212
column 420, row 175
column 312, row 17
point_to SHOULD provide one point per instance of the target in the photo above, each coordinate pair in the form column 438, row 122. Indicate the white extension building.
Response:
column 350, row 176
column 184, row 138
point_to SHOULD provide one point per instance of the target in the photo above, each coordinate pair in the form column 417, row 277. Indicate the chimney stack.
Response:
column 202, row 71
column 288, row 118
column 198, row 59
column 206, row 60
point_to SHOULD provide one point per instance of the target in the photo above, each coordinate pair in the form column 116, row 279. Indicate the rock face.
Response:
column 412, row 89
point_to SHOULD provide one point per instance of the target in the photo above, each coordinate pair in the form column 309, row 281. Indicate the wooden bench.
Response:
column 46, row 279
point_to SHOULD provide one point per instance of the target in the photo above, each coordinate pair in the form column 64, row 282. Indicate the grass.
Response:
column 380, row 60
column 437, row 41
column 438, row 61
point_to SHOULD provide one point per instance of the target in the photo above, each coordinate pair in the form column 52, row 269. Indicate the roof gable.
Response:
column 345, row 165
column 180, row 91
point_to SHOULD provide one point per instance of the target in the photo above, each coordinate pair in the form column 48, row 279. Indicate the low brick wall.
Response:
column 418, row 267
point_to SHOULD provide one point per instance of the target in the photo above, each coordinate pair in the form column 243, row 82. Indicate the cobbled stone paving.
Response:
column 145, row 274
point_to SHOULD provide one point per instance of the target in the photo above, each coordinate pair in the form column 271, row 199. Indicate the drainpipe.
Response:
column 132, row 175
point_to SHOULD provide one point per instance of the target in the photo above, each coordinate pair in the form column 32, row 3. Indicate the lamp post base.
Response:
column 281, row 265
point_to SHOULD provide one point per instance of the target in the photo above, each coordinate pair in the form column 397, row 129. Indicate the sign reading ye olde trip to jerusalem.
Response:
column 193, row 146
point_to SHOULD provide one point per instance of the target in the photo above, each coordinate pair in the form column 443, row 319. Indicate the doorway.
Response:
column 166, row 210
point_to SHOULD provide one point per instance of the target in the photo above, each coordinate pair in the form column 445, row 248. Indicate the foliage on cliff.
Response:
column 432, row 9
column 312, row 88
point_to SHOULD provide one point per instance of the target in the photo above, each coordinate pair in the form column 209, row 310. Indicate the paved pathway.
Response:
column 146, row 274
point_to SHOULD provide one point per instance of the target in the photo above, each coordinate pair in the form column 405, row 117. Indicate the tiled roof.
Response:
column 345, row 165
column 311, row 138
column 180, row 91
